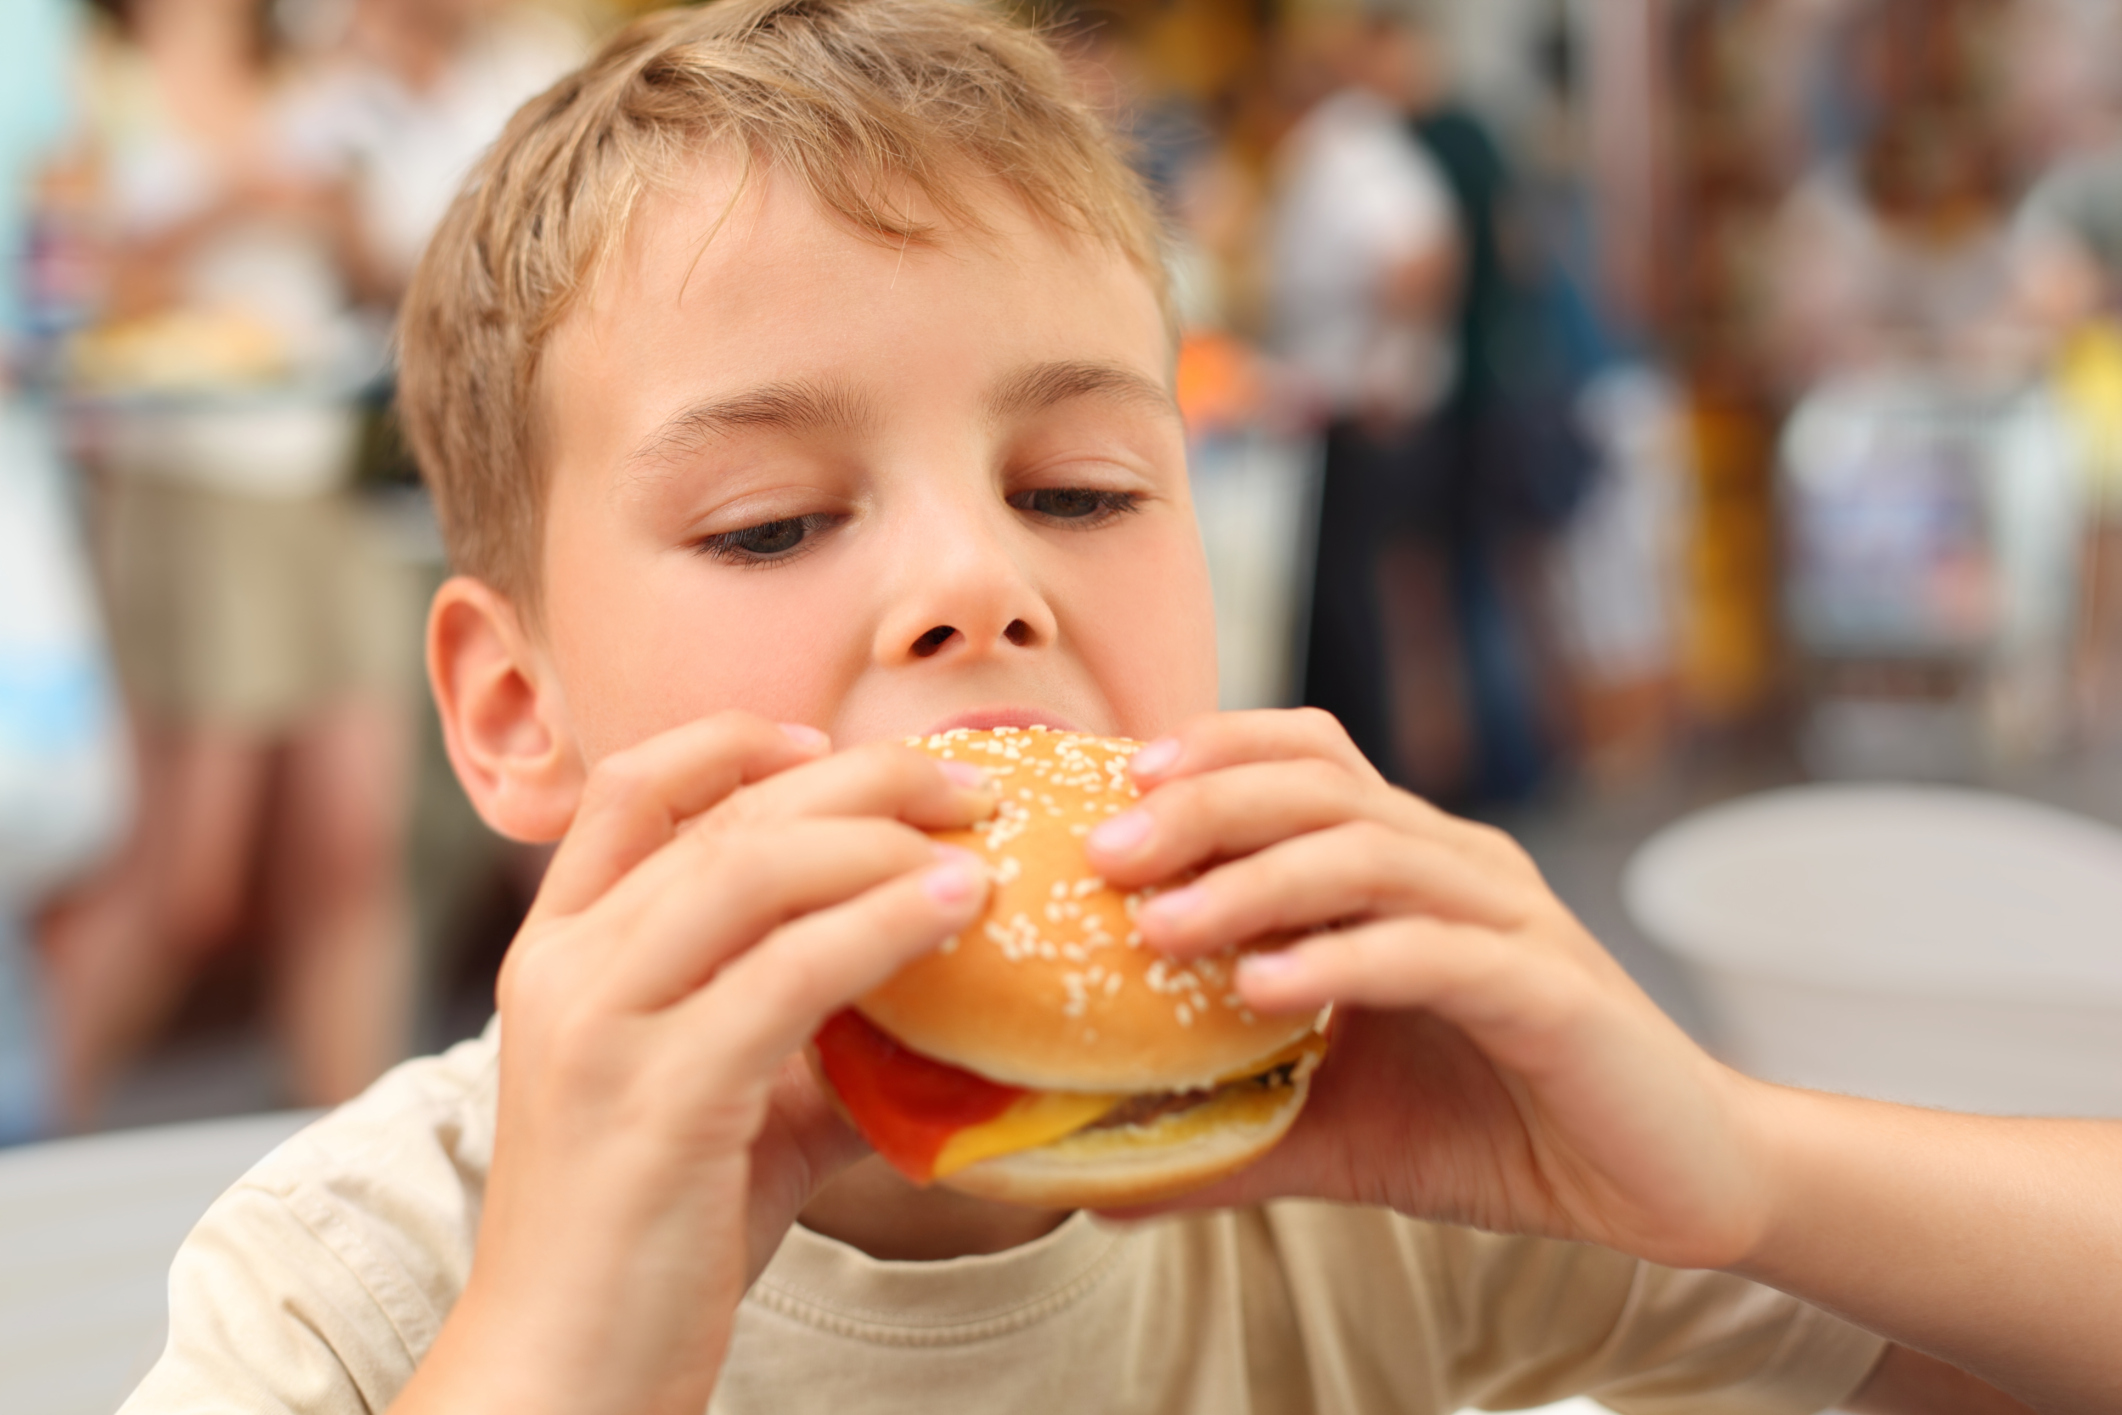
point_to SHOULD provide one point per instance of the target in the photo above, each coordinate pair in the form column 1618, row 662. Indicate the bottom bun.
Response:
column 1143, row 1164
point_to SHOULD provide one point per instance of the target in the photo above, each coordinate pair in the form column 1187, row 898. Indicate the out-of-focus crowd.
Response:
column 1570, row 382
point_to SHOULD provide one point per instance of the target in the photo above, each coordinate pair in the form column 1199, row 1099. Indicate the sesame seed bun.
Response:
column 1052, row 988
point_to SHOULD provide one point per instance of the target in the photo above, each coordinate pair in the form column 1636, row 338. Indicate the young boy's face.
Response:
column 874, row 490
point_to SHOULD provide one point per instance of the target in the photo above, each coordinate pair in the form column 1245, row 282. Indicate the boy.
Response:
column 793, row 379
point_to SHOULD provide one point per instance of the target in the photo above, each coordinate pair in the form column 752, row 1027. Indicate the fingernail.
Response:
column 965, row 774
column 1159, row 756
column 1123, row 834
column 806, row 737
column 1171, row 908
column 1278, row 966
column 954, row 881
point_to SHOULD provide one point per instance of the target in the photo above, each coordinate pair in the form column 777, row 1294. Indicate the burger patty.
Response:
column 1152, row 1106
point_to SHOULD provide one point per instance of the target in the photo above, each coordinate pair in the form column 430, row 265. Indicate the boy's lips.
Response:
column 985, row 718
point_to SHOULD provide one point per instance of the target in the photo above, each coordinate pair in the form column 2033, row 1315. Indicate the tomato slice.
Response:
column 905, row 1104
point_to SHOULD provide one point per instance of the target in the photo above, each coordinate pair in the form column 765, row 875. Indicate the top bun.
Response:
column 1051, row 987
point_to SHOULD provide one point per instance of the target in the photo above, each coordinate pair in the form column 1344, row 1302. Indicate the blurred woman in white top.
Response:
column 264, row 637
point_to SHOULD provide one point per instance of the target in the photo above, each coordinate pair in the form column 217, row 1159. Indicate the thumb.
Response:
column 804, row 1146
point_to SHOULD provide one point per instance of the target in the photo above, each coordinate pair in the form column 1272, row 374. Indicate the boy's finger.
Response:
column 805, row 1145
column 882, row 782
column 768, row 1002
column 881, row 779
column 1353, row 871
column 1511, row 1001
column 1239, row 809
column 635, row 800
column 721, row 895
column 1391, row 964
column 1218, row 740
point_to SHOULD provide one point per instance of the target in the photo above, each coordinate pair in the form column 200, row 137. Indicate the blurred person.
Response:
column 62, row 765
column 407, row 95
column 1930, row 494
column 1500, row 467
column 1361, row 273
column 263, row 639
column 414, row 95
column 1899, row 256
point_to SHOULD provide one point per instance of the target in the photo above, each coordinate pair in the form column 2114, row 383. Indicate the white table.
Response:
column 1931, row 945
column 87, row 1230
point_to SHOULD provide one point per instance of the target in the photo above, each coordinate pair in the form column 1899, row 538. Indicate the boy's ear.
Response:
column 503, row 719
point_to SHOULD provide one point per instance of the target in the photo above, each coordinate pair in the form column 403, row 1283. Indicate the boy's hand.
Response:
column 1492, row 1065
column 724, row 887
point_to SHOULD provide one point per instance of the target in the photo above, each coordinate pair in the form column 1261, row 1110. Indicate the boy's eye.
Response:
column 1073, row 503
column 769, row 540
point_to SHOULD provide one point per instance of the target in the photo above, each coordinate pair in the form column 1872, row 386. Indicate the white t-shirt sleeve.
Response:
column 320, row 1280
column 267, row 1316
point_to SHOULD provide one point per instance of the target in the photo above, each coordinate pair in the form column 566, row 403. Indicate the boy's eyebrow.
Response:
column 807, row 407
column 776, row 407
column 1043, row 385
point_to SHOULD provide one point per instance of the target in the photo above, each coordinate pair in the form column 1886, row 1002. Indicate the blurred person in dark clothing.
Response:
column 1361, row 276
column 263, row 636
column 1501, row 464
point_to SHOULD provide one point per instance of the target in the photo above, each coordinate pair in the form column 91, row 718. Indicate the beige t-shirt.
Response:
column 317, row 1282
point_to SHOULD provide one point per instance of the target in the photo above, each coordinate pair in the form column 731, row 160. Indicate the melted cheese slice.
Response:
column 1239, row 1105
column 1042, row 1117
column 1034, row 1119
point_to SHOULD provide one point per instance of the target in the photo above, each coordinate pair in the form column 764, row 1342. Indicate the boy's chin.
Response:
column 874, row 1208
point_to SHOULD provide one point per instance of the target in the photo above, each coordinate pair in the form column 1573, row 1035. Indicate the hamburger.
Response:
column 1045, row 1055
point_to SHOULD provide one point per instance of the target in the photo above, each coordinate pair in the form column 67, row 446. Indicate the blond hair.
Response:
column 858, row 100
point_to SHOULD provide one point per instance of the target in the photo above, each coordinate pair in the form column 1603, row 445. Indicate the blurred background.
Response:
column 1608, row 408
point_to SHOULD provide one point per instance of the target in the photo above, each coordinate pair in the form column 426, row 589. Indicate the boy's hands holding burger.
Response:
column 724, row 887
column 1491, row 1063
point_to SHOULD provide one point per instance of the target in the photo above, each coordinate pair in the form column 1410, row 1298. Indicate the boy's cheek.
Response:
column 1146, row 625
column 633, row 663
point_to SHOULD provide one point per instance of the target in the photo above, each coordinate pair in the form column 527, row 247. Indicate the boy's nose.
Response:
column 969, row 599
column 1016, row 632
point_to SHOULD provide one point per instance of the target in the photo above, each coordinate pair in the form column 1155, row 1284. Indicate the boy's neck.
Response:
column 874, row 1209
